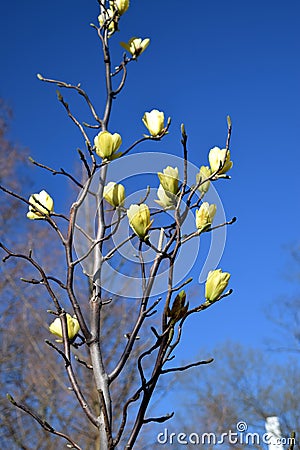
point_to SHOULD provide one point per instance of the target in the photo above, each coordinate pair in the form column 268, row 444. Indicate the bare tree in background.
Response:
column 113, row 349
column 284, row 313
column 242, row 385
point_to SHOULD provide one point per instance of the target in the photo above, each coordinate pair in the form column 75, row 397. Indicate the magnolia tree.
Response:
column 140, row 243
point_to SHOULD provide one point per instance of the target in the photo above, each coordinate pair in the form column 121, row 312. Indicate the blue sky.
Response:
column 205, row 61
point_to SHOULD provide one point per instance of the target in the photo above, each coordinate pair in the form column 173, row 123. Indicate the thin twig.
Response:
column 132, row 399
column 122, row 82
column 84, row 363
column 34, row 263
column 43, row 423
column 188, row 366
column 76, row 88
column 159, row 419
column 56, row 172
column 73, row 118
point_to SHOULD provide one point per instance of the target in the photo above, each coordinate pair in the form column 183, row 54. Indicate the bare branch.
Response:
column 188, row 366
column 132, row 399
column 159, row 419
column 84, row 363
column 45, row 281
column 85, row 163
column 44, row 424
column 122, row 82
column 73, row 118
column 56, row 172
column 78, row 89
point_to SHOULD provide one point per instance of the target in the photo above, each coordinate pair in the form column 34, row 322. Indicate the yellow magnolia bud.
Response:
column 216, row 157
column 139, row 219
column 169, row 179
column 154, row 121
column 135, row 46
column 168, row 188
column 166, row 199
column 107, row 144
column 216, row 283
column 205, row 215
column 120, row 5
column 108, row 17
column 42, row 204
column 114, row 194
column 72, row 325
column 204, row 173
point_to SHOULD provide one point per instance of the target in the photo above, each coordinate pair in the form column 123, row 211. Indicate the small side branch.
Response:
column 44, row 277
column 56, row 172
column 43, row 423
column 73, row 118
column 78, row 89
column 229, row 130
column 188, row 366
column 161, row 419
column 132, row 399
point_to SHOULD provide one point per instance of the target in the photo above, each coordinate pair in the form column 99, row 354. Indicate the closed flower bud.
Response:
column 204, row 173
column 139, row 219
column 42, row 204
column 106, row 144
column 179, row 307
column 154, row 121
column 108, row 19
column 114, row 194
column 120, row 5
column 205, row 216
column 135, row 46
column 169, row 179
column 72, row 326
column 216, row 159
column 216, row 283
column 165, row 199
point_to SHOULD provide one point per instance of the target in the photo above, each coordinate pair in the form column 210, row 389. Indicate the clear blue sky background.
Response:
column 206, row 60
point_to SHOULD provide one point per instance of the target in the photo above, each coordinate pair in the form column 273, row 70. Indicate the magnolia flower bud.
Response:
column 179, row 307
column 216, row 283
column 135, row 46
column 139, row 219
column 42, row 204
column 166, row 199
column 107, row 144
column 169, row 179
column 107, row 17
column 154, row 121
column 120, row 5
column 72, row 326
column 114, row 194
column 204, row 173
column 168, row 188
column 205, row 215
column 216, row 158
